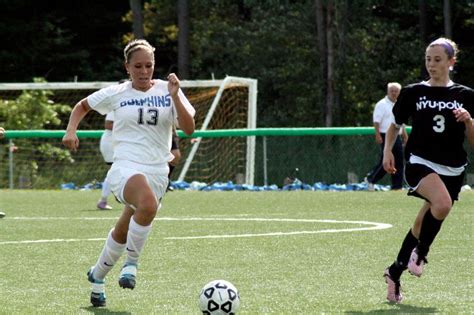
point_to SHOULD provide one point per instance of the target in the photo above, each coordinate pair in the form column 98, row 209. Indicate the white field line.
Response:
column 366, row 226
column 56, row 240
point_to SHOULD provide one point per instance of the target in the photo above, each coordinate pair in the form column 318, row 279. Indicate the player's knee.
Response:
column 149, row 207
column 441, row 209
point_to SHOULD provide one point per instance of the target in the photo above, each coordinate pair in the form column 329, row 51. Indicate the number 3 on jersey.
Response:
column 153, row 116
column 439, row 123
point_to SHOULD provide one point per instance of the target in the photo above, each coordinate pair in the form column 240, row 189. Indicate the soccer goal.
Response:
column 229, row 103
column 221, row 104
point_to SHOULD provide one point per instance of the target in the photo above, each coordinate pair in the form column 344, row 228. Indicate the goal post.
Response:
column 229, row 103
column 226, row 85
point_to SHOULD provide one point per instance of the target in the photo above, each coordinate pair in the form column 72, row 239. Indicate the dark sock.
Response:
column 401, row 263
column 429, row 229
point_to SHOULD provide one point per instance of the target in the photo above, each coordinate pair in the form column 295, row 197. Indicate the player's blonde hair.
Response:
column 135, row 45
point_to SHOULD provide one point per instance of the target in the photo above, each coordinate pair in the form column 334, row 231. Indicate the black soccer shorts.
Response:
column 414, row 173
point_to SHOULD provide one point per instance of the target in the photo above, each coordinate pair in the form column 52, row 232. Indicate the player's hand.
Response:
column 462, row 115
column 71, row 141
column 173, row 84
column 2, row 132
column 389, row 163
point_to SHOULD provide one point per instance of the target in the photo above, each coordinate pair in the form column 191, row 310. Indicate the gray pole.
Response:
column 10, row 163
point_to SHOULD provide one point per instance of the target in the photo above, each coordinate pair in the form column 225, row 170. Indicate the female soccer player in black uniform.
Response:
column 441, row 114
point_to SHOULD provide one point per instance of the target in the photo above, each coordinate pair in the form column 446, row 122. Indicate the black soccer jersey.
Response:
column 435, row 134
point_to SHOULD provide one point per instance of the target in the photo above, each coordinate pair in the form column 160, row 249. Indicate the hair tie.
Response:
column 447, row 45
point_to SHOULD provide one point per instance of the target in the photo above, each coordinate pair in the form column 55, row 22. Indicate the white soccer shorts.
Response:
column 121, row 171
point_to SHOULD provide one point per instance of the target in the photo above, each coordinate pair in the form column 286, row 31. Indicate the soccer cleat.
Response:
column 102, row 205
column 416, row 263
column 394, row 294
column 98, row 289
column 127, row 276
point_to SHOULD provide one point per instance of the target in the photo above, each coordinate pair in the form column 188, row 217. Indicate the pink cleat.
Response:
column 102, row 205
column 416, row 263
column 394, row 294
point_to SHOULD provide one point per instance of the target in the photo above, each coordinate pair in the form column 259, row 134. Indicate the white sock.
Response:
column 105, row 189
column 136, row 238
column 108, row 257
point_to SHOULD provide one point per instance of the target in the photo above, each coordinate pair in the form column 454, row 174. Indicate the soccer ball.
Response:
column 219, row 297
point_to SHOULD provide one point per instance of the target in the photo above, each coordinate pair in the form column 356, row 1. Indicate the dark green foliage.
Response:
column 33, row 109
column 61, row 40
column 275, row 42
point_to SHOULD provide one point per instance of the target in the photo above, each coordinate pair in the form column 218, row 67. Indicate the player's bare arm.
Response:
column 378, row 136
column 70, row 139
column 388, row 159
column 186, row 119
column 463, row 116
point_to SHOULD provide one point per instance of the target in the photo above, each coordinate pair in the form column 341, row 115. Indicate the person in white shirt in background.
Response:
column 382, row 118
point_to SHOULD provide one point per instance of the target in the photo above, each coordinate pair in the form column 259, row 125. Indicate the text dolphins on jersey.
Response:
column 423, row 103
column 150, row 101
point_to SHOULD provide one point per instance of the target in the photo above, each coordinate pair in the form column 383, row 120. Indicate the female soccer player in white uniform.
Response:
column 441, row 114
column 145, row 111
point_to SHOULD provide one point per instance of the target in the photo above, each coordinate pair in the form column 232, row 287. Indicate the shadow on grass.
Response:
column 400, row 309
column 102, row 310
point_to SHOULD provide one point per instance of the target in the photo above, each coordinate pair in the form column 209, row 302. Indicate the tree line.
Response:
column 318, row 62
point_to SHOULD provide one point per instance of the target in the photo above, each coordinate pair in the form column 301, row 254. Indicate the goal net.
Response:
column 38, row 161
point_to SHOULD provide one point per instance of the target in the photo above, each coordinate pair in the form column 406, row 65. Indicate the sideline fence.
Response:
column 330, row 155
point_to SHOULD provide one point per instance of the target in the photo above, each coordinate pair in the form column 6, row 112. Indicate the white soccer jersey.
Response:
column 109, row 116
column 143, row 121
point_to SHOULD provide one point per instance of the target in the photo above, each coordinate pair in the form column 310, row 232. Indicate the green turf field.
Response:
column 287, row 252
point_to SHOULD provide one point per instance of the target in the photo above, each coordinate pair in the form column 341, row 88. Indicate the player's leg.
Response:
column 378, row 172
column 138, row 193
column 114, row 246
column 434, row 189
column 409, row 243
column 111, row 252
column 106, row 190
column 394, row 272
